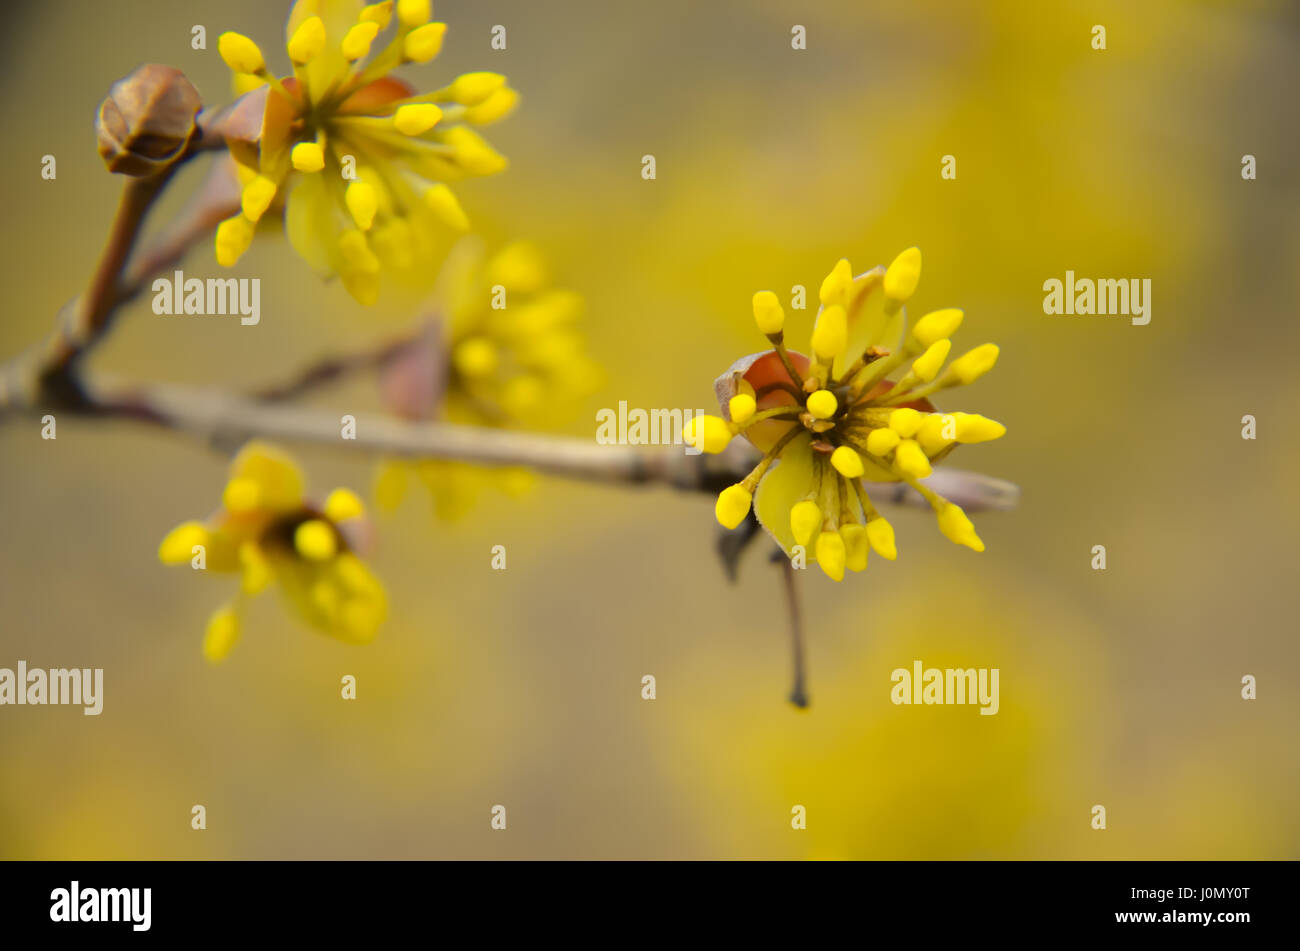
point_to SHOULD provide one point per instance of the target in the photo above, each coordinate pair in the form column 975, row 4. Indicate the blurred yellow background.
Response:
column 522, row 687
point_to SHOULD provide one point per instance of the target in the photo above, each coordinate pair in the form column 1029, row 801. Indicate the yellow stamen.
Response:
column 443, row 203
column 257, row 197
column 240, row 53
column 308, row 157
column 307, row 41
column 954, row 524
column 936, row 325
column 881, row 442
column 234, row 235
column 709, row 434
column 415, row 118
column 831, row 555
column 362, row 201
column 741, row 407
column 342, row 505
column 905, row 421
column 910, row 458
column 823, row 404
column 221, row 635
column 830, row 335
column 971, row 366
column 881, row 536
column 476, row 357
column 768, row 313
column 413, row 12
column 805, row 521
column 315, row 540
column 356, row 42
column 847, row 462
column 902, row 275
column 470, row 89
column 926, row 367
column 423, row 43
column 835, row 288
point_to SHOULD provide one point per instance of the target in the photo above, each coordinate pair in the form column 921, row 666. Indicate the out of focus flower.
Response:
column 504, row 349
column 266, row 531
column 360, row 160
column 831, row 422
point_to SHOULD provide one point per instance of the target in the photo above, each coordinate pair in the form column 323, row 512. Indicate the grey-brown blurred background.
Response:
column 522, row 687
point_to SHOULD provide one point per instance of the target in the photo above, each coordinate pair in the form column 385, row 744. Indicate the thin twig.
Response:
column 799, row 688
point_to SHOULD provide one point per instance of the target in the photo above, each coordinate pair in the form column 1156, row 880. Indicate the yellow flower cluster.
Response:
column 515, row 356
column 832, row 421
column 266, row 531
column 359, row 159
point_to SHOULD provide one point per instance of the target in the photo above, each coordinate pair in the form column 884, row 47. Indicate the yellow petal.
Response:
column 277, row 478
column 790, row 479
column 221, row 634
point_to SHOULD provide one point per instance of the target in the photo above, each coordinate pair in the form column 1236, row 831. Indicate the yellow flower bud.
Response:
column 475, row 357
column 356, row 42
column 835, row 288
column 221, row 635
column 954, row 524
column 971, row 427
column 469, row 89
column 938, row 431
column 315, row 540
column 905, row 421
column 494, row 107
column 234, row 235
column 362, row 201
column 356, row 252
column 847, row 462
column 831, row 333
column 241, row 496
column 707, row 433
column 902, row 275
column 256, row 570
column 413, row 12
column 308, row 157
column 416, row 117
column 911, row 459
column 806, row 521
column 881, row 442
column 855, row 546
column 823, row 404
column 423, row 43
column 381, row 14
column 970, row 366
column 343, row 504
column 240, row 53
column 307, row 41
column 831, row 555
column 257, row 197
column 927, row 365
column 768, row 313
column 443, row 203
column 178, row 547
column 741, row 407
column 732, row 505
column 880, row 534
column 937, row 325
